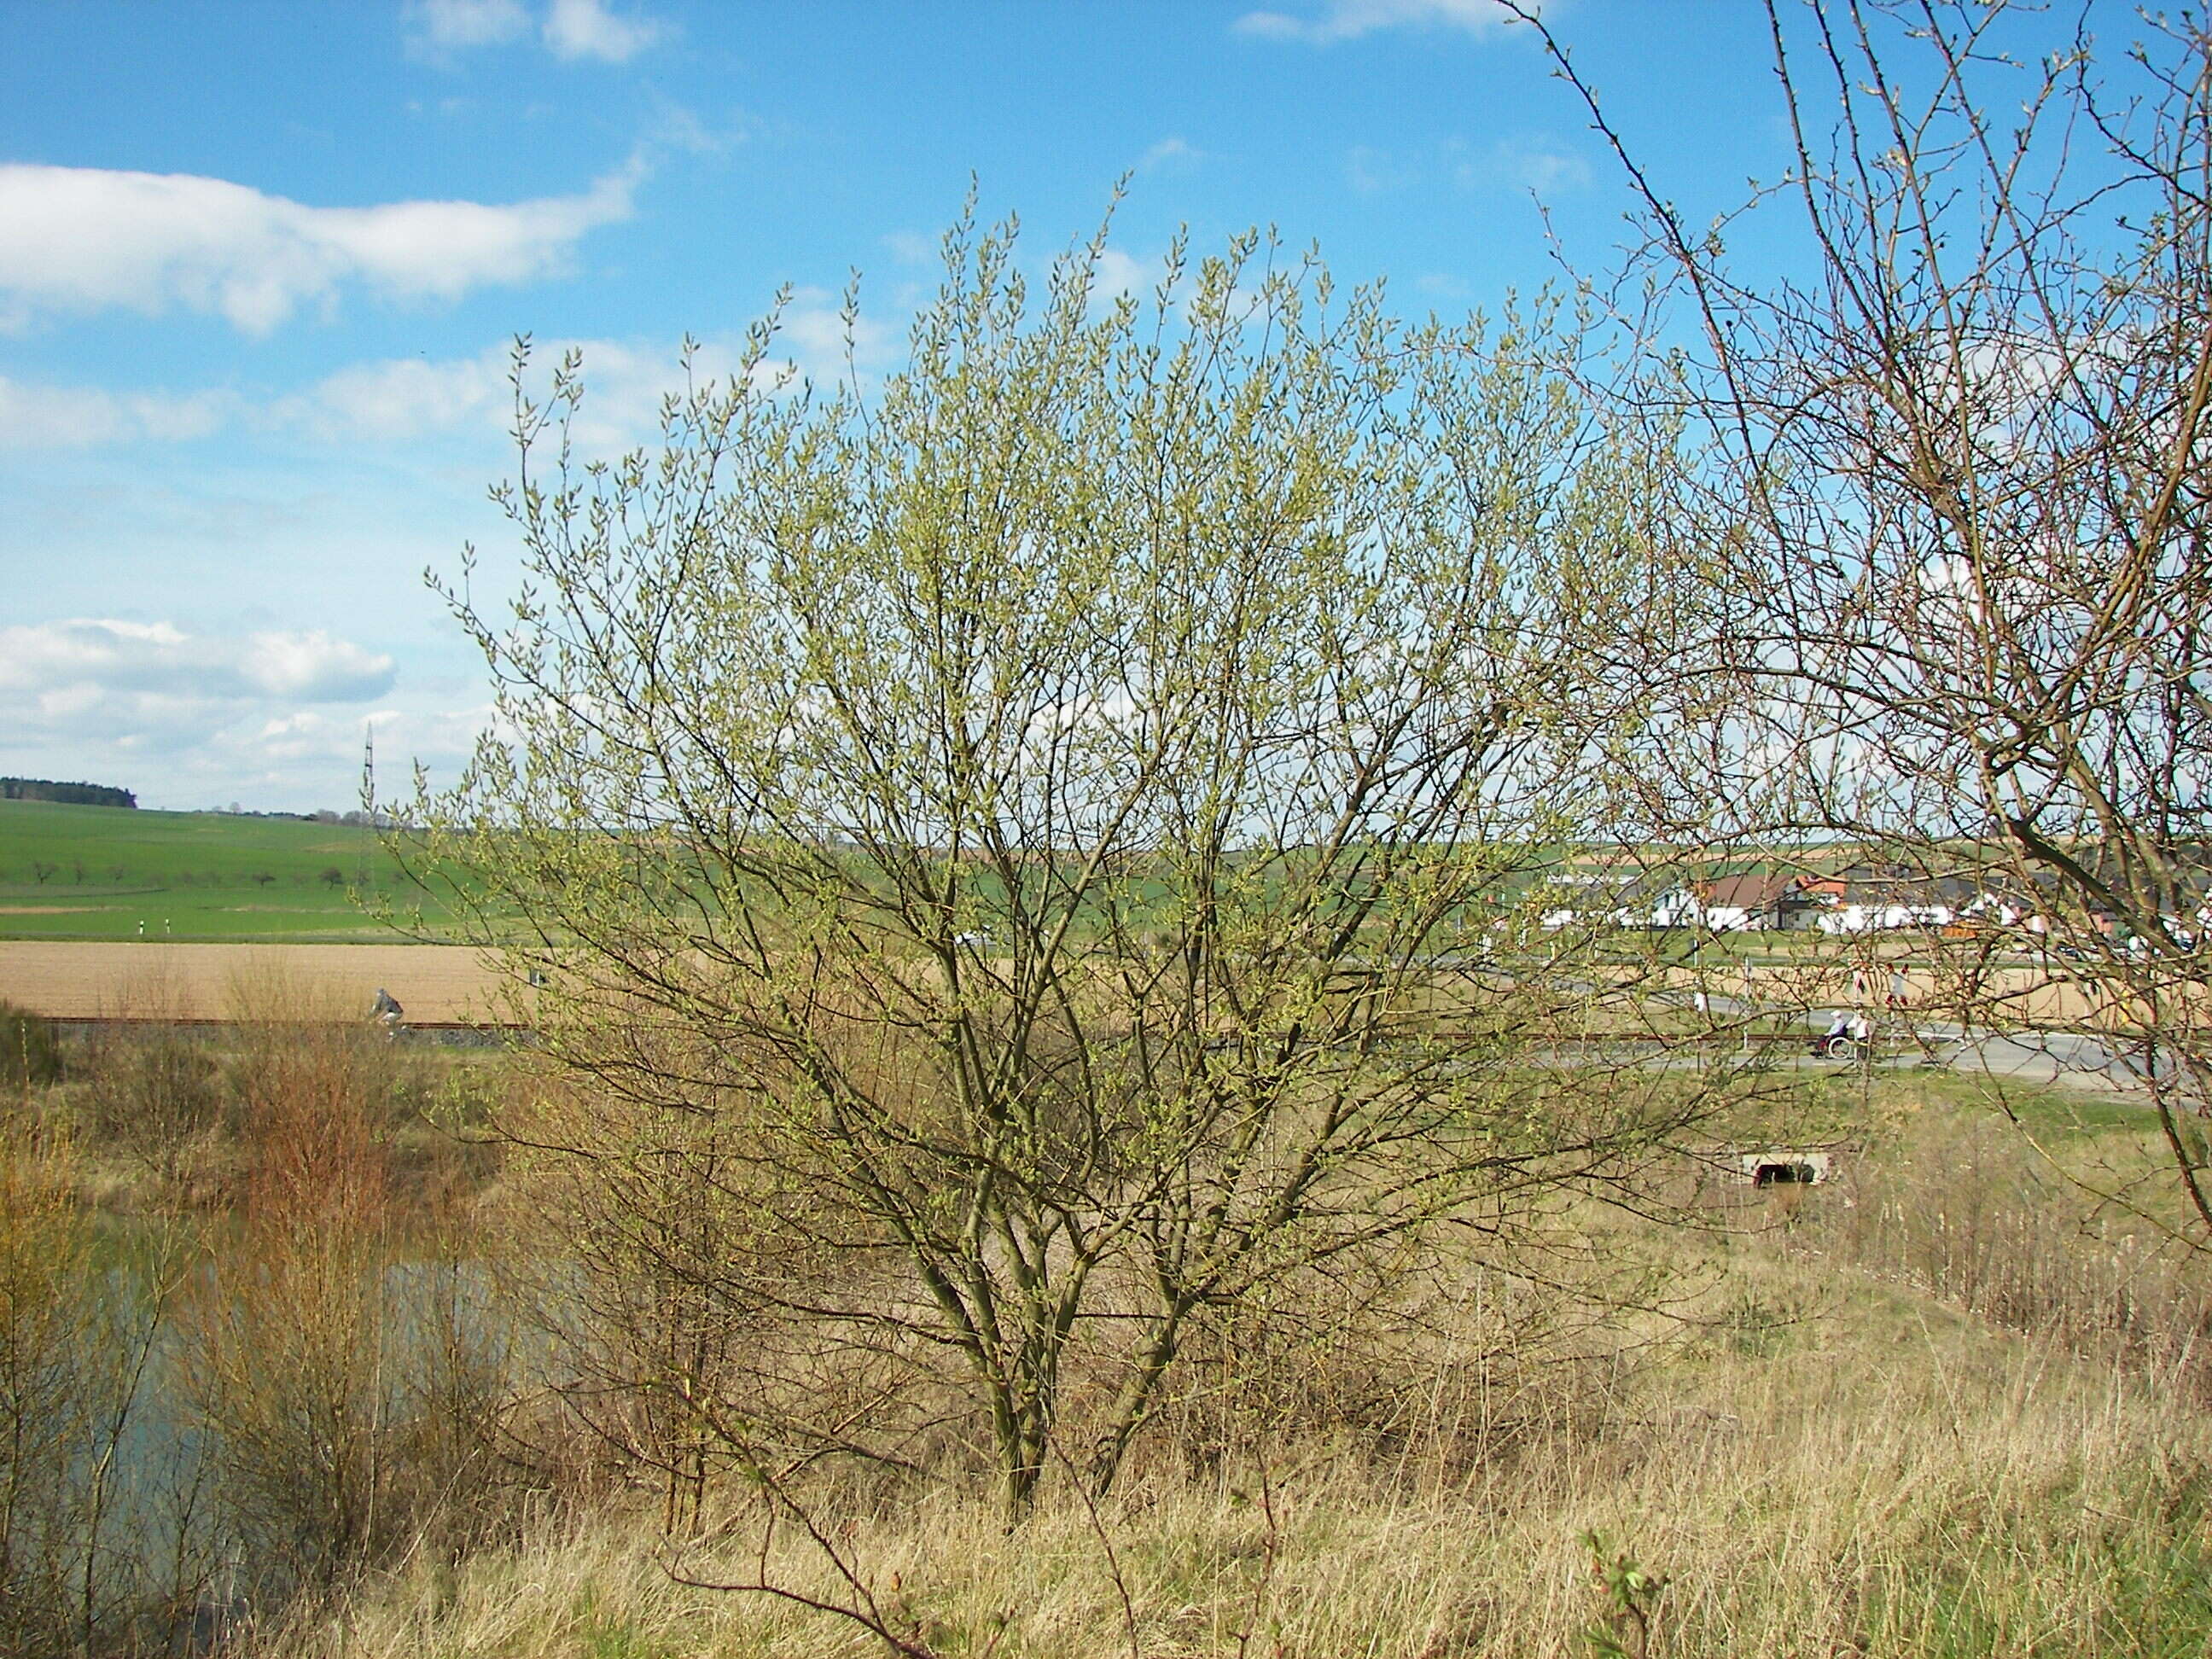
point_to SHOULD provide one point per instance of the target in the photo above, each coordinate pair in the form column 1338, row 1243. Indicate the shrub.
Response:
column 154, row 1094
column 30, row 1051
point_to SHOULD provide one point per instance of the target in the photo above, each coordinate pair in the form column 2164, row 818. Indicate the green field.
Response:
column 98, row 873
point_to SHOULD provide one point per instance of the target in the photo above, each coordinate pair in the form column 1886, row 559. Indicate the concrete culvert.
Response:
column 1784, row 1175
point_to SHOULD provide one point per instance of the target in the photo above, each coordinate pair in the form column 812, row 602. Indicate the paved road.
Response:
column 2074, row 1057
column 2081, row 1058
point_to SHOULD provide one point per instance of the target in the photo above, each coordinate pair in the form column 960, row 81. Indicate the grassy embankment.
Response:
column 1952, row 1404
column 1947, row 1407
column 97, row 872
column 1941, row 1409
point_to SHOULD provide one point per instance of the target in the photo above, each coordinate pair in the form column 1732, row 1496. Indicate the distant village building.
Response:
column 1857, row 900
column 1751, row 904
column 1869, row 900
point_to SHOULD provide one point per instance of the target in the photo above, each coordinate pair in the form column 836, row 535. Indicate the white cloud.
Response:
column 584, row 29
column 190, row 755
column 1536, row 164
column 678, row 127
column 314, row 666
column 447, row 24
column 1371, row 171
column 395, row 402
column 289, row 742
column 404, row 397
column 36, row 416
column 1526, row 163
column 1347, row 19
column 79, row 239
column 85, row 663
column 569, row 29
column 1169, row 152
column 814, row 329
column 1121, row 273
column 911, row 248
column 407, row 397
column 183, row 718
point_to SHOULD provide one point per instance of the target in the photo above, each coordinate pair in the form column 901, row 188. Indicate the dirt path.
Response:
column 432, row 982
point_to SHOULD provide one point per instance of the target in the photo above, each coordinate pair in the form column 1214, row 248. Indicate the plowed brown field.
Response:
column 432, row 982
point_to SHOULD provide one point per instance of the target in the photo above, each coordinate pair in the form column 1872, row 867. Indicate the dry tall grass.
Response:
column 2063, row 1243
column 1899, row 1482
column 1843, row 1453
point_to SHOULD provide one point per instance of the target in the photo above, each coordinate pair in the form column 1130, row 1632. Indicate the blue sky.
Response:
column 259, row 266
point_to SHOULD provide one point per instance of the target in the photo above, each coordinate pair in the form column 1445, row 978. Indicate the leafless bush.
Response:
column 343, row 1364
column 1419, row 1368
column 666, row 1280
column 41, row 1418
column 156, row 1094
column 316, row 1094
column 352, row 1387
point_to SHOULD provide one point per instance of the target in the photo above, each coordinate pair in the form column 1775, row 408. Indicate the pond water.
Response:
column 230, row 1425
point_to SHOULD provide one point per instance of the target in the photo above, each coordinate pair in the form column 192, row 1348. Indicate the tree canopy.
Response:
column 1029, row 858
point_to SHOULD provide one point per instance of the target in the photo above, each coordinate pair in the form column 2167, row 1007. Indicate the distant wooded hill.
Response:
column 67, row 794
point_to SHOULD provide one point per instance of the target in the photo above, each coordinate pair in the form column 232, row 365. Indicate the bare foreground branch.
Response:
column 1954, row 489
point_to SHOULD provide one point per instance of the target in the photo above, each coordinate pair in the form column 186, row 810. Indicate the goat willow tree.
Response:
column 1006, row 859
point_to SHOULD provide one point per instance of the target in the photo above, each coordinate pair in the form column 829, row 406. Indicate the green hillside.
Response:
column 96, row 872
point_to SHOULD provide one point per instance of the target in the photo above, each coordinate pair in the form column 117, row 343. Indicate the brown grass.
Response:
column 1898, row 1421
column 1880, row 1480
